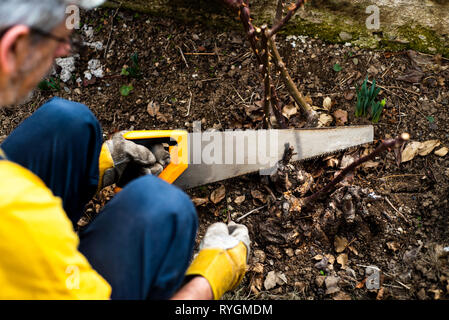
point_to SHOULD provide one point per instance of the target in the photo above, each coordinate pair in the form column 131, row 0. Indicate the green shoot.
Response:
column 366, row 102
column 134, row 70
column 126, row 90
column 50, row 84
column 337, row 67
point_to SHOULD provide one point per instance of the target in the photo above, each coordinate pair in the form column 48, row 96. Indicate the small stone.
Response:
column 345, row 36
column 289, row 252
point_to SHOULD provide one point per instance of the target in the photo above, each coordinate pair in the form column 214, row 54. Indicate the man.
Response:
column 140, row 245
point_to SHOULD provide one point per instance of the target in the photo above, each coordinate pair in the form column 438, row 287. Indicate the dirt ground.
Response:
column 186, row 73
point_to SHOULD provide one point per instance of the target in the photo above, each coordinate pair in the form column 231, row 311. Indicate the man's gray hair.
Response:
column 42, row 14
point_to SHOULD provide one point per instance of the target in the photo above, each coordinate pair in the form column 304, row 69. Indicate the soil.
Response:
column 191, row 73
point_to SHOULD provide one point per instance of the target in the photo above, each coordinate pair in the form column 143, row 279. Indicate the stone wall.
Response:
column 422, row 25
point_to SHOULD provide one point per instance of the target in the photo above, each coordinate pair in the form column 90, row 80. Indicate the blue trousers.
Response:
column 143, row 239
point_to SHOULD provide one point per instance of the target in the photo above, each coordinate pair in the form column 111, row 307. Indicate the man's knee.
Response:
column 165, row 203
column 69, row 115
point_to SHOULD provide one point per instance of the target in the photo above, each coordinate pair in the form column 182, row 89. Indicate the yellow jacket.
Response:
column 39, row 258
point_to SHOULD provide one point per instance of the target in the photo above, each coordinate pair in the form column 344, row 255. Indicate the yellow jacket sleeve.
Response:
column 39, row 257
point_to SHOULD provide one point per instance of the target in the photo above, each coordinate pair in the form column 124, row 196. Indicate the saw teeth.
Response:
column 330, row 153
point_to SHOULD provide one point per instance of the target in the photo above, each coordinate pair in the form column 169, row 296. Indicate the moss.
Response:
column 213, row 15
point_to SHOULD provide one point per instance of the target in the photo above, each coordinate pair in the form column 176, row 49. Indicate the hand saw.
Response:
column 200, row 158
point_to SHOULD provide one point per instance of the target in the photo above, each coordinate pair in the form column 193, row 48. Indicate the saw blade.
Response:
column 216, row 156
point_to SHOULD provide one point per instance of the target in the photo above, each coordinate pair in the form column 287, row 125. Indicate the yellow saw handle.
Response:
column 178, row 148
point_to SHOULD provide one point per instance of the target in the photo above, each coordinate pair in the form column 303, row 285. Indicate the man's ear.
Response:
column 8, row 47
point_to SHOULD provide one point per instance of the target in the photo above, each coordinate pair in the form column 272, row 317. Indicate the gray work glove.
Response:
column 130, row 160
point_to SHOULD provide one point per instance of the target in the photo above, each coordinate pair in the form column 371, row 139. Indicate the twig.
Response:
column 406, row 287
column 190, row 103
column 183, row 57
column 110, row 32
column 252, row 211
column 386, row 144
column 394, row 208
column 401, row 175
column 211, row 79
column 392, row 286
column 200, row 54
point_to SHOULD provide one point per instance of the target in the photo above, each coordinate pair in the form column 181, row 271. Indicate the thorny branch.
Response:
column 262, row 42
column 386, row 144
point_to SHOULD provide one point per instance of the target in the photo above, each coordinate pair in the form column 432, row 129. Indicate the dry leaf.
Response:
column 327, row 103
column 161, row 117
column 153, row 108
column 340, row 243
column 353, row 250
column 380, row 294
column 441, row 152
column 437, row 293
column 239, row 199
column 412, row 76
column 289, row 110
column 324, row 120
column 308, row 100
column 341, row 117
column 361, row 284
column 410, row 151
column 346, row 160
column 218, row 194
column 342, row 259
column 259, row 196
column 393, row 246
column 258, row 267
column 270, row 281
column 199, row 201
column 318, row 257
column 330, row 258
column 332, row 162
column 427, row 147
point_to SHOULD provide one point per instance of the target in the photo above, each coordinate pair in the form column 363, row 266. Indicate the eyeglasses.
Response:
column 74, row 40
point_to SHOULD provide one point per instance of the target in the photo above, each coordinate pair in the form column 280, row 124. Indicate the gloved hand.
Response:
column 223, row 257
column 122, row 160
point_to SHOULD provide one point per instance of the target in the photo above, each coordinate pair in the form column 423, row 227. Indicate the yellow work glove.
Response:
column 223, row 257
column 122, row 160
